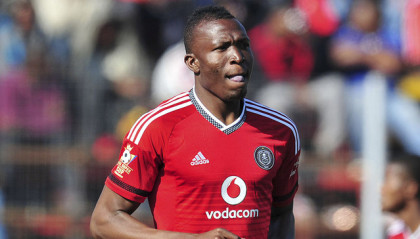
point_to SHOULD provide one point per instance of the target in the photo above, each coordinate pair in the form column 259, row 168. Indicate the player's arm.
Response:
column 112, row 218
column 282, row 223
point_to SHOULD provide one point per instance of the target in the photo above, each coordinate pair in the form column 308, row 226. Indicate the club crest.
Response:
column 264, row 157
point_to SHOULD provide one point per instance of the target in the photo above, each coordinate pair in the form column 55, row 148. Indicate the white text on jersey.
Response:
column 231, row 214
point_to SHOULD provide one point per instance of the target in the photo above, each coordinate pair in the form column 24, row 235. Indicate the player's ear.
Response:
column 192, row 63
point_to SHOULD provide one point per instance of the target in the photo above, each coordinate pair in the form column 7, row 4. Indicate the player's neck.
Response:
column 230, row 112
column 411, row 215
column 226, row 112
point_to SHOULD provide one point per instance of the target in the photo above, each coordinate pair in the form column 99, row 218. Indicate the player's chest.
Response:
column 199, row 155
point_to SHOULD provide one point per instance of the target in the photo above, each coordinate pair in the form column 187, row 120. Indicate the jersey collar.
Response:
column 227, row 129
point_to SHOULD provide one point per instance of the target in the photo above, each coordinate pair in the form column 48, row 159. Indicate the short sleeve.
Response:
column 135, row 173
column 285, row 184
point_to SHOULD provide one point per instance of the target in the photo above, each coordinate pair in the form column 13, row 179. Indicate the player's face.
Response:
column 221, row 59
column 393, row 188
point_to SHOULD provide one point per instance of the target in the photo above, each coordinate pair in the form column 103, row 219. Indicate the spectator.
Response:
column 411, row 32
column 323, row 18
column 392, row 18
column 115, row 79
column 33, row 112
column 401, row 197
column 286, row 59
column 33, row 105
column 250, row 12
column 18, row 34
column 165, row 21
column 280, row 49
column 409, row 83
column 403, row 21
column 170, row 75
column 362, row 46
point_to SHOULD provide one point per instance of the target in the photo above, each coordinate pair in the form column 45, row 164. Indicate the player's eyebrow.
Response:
column 225, row 42
column 244, row 39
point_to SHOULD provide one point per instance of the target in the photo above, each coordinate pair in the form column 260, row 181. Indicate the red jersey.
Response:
column 200, row 174
column 398, row 230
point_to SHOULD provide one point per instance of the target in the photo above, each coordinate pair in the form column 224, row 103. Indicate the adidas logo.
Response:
column 199, row 159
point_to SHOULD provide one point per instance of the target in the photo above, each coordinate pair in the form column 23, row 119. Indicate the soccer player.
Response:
column 401, row 197
column 212, row 163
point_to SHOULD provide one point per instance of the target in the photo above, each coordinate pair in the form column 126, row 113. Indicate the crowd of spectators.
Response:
column 79, row 73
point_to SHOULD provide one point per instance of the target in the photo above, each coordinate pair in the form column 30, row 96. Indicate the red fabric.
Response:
column 399, row 230
column 398, row 236
column 322, row 19
column 208, row 178
column 31, row 105
column 411, row 32
column 281, row 58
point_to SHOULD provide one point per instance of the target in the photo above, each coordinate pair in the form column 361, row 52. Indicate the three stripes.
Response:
column 183, row 100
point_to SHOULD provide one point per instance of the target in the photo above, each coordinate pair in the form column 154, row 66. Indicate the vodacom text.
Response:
column 229, row 214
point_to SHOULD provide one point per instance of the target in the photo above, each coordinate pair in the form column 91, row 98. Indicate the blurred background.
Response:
column 76, row 74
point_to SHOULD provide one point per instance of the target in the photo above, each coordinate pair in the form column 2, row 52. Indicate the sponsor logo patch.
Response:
column 233, row 190
column 232, row 214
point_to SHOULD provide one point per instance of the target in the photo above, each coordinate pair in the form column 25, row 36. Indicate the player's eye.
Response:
column 223, row 46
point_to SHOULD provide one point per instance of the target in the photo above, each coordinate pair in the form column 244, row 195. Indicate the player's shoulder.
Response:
column 273, row 121
column 264, row 112
column 171, row 110
column 161, row 119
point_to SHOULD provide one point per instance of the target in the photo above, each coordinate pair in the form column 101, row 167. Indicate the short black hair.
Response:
column 207, row 13
column 411, row 164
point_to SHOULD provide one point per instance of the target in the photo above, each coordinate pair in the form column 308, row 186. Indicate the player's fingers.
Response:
column 228, row 235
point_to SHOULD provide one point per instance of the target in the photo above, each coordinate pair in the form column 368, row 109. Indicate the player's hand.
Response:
column 218, row 233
